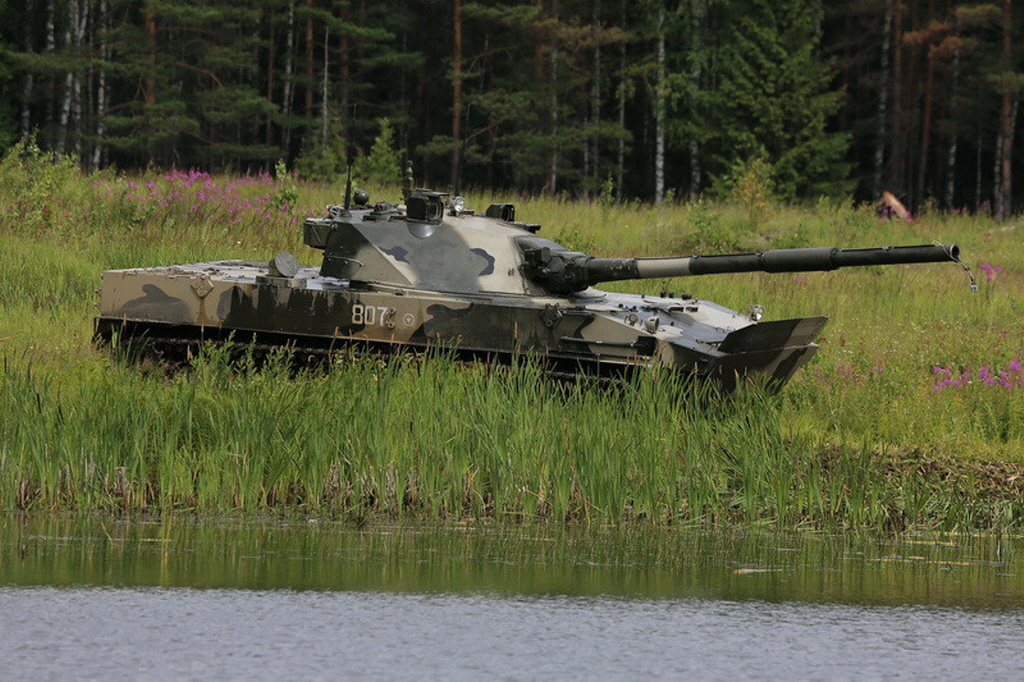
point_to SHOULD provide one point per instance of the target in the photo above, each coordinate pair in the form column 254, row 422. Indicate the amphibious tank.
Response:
column 427, row 272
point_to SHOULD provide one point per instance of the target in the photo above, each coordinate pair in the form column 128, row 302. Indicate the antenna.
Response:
column 408, row 180
column 457, row 190
column 350, row 150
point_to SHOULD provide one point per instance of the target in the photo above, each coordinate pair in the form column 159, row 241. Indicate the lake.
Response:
column 96, row 597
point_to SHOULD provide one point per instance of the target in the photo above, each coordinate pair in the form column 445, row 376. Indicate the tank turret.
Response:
column 419, row 245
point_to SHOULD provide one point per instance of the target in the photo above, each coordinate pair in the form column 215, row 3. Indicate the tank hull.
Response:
column 170, row 310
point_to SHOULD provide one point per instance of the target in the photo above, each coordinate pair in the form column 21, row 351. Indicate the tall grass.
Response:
column 910, row 415
column 428, row 438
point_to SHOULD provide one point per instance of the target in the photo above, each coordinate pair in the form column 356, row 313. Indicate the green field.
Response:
column 910, row 416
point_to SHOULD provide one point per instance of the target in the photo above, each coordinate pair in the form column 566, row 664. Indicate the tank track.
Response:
column 173, row 348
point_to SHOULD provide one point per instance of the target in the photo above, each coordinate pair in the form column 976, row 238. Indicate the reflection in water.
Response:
column 527, row 559
column 98, row 598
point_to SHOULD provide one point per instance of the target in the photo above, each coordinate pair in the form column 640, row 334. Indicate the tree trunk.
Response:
column 27, row 87
column 977, row 173
column 911, row 81
column 492, row 136
column 289, row 85
column 659, row 112
column 268, row 133
column 344, row 61
column 102, row 96
column 324, row 93
column 309, row 63
column 456, row 93
column 896, row 165
column 69, row 78
column 552, row 181
column 547, row 39
column 1007, row 119
column 80, row 22
column 591, row 150
column 697, row 47
column 51, row 47
column 149, row 81
column 953, row 142
column 883, row 102
column 1004, row 157
column 620, row 153
column 926, row 125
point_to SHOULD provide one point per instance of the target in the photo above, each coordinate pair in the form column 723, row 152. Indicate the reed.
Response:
column 427, row 438
column 912, row 414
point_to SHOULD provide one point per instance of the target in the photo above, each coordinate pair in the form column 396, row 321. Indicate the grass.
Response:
column 911, row 415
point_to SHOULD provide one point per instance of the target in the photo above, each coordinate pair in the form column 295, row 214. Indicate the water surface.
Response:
column 100, row 598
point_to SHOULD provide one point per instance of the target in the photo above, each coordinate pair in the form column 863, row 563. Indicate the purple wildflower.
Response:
column 990, row 270
column 1009, row 377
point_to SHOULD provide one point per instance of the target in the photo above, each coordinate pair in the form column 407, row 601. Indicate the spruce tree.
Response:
column 772, row 99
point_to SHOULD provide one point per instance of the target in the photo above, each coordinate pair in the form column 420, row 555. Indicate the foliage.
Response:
column 287, row 194
column 554, row 97
column 324, row 163
column 383, row 165
column 749, row 184
column 36, row 181
column 711, row 233
column 772, row 102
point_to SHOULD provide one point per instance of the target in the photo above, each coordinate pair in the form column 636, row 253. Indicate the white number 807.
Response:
column 369, row 314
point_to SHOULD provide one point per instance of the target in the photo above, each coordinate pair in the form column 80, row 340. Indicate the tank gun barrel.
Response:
column 563, row 271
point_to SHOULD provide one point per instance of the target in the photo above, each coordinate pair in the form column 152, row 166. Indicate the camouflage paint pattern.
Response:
column 416, row 276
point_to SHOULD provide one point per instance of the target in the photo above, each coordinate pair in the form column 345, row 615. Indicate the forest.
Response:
column 640, row 99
